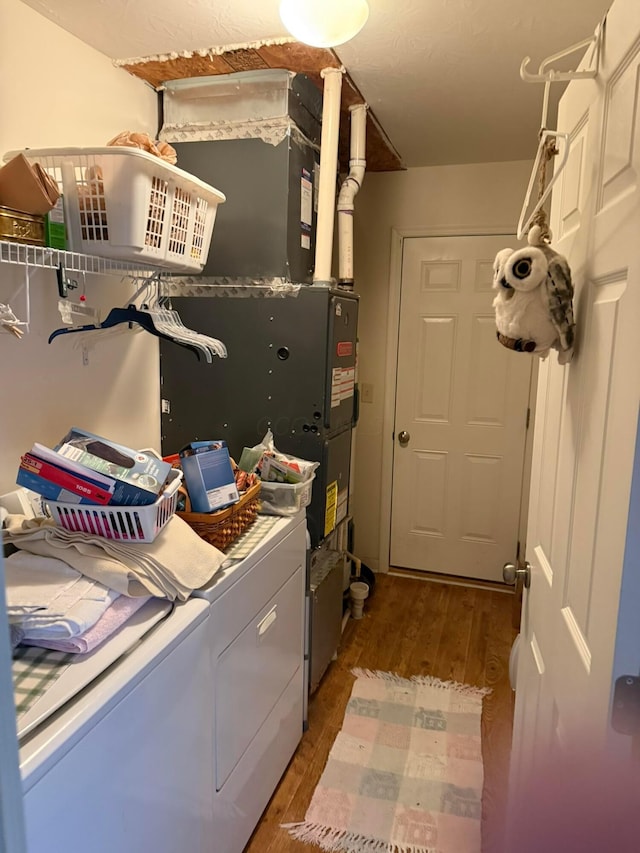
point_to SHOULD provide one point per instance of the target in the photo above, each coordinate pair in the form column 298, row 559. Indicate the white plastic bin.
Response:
column 122, row 523
column 224, row 100
column 285, row 498
column 127, row 204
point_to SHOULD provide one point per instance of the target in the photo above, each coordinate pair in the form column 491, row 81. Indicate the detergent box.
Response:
column 208, row 475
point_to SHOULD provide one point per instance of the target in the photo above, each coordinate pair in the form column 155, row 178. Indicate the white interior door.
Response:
column 585, row 430
column 463, row 400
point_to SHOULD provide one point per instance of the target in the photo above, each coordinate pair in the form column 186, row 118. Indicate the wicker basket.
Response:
column 223, row 527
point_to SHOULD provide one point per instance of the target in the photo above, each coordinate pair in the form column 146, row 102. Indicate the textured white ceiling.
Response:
column 442, row 76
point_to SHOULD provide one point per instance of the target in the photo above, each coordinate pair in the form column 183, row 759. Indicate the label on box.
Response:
column 306, row 198
column 54, row 227
column 306, row 209
column 331, row 507
column 341, row 509
column 222, row 495
column 343, row 380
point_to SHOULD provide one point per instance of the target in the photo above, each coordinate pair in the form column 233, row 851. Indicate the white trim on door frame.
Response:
column 398, row 236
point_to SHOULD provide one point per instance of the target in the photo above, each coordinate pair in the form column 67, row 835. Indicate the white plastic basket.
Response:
column 123, row 523
column 285, row 498
column 127, row 204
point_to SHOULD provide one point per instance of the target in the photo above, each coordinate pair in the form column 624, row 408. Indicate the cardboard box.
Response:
column 55, row 483
column 26, row 187
column 208, row 475
column 139, row 478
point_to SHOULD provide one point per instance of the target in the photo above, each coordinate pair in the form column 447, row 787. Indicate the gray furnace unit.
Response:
column 290, row 367
column 291, row 344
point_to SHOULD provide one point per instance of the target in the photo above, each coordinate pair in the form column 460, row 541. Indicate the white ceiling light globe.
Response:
column 324, row 23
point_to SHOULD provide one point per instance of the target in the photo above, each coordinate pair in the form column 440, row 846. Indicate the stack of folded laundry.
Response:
column 69, row 591
column 172, row 566
column 49, row 604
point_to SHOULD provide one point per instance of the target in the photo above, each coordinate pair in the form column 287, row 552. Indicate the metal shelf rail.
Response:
column 42, row 256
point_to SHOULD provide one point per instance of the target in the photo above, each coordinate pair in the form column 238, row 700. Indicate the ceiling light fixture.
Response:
column 324, row 23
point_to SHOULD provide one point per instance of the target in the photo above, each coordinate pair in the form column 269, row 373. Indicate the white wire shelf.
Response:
column 43, row 256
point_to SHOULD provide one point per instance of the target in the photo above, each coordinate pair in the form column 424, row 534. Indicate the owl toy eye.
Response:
column 526, row 269
column 522, row 268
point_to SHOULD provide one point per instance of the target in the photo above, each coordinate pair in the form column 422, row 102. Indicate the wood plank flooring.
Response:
column 410, row 627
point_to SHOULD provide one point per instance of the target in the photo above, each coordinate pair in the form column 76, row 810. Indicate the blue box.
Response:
column 208, row 475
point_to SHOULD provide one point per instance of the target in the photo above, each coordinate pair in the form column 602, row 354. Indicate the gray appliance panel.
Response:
column 334, row 455
column 281, row 353
column 258, row 230
column 325, row 630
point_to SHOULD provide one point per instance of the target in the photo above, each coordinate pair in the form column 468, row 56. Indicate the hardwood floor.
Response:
column 410, row 627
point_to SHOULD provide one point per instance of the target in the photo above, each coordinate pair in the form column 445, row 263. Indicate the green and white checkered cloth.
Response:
column 251, row 538
column 34, row 671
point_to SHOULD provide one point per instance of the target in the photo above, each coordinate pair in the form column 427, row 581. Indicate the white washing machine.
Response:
column 125, row 765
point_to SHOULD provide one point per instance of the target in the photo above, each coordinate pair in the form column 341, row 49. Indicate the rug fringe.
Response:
column 424, row 680
column 329, row 838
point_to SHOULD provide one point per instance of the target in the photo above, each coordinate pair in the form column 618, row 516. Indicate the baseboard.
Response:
column 452, row 580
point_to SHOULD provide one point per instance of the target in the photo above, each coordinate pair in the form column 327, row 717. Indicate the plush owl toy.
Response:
column 534, row 303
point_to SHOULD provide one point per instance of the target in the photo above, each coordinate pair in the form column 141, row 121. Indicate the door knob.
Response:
column 512, row 573
column 403, row 438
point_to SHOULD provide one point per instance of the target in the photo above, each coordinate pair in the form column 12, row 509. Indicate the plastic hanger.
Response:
column 169, row 321
column 144, row 319
column 548, row 75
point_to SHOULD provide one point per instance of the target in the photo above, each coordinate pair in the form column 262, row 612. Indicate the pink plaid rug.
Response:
column 405, row 772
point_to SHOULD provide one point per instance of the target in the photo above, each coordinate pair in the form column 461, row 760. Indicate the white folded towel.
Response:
column 82, row 616
column 111, row 621
column 33, row 582
column 74, row 605
column 172, row 566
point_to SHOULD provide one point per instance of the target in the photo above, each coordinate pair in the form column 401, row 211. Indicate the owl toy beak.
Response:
column 508, row 291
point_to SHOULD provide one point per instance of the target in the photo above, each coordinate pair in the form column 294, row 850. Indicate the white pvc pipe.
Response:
column 348, row 192
column 328, row 170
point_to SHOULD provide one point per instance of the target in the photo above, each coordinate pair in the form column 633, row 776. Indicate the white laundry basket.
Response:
column 127, row 204
column 122, row 523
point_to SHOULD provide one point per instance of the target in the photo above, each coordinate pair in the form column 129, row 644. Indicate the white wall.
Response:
column 56, row 91
column 462, row 197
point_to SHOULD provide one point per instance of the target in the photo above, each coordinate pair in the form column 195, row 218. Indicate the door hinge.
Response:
column 528, row 418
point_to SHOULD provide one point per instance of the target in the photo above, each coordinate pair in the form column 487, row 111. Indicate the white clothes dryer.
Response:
column 257, row 641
